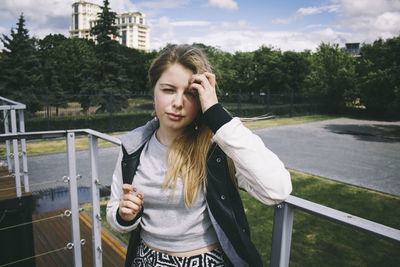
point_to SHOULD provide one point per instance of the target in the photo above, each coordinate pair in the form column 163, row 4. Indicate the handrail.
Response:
column 283, row 225
column 383, row 231
column 58, row 133
column 16, row 104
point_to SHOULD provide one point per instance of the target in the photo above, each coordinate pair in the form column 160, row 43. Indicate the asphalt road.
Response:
column 357, row 152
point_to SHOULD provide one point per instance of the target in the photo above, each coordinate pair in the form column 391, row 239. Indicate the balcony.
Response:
column 81, row 235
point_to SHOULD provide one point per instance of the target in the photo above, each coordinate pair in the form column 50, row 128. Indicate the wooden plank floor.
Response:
column 55, row 233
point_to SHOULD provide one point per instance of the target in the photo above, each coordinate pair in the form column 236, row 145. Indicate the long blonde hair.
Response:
column 187, row 155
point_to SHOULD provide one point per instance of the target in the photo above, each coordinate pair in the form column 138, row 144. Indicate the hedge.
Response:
column 98, row 122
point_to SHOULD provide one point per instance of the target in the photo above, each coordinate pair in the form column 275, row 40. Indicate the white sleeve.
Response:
column 113, row 203
column 258, row 170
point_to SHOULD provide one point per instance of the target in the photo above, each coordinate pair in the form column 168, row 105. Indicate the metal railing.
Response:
column 71, row 178
column 283, row 213
column 283, row 225
column 9, row 109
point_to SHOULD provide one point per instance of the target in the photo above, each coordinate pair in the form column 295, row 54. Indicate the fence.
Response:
column 238, row 103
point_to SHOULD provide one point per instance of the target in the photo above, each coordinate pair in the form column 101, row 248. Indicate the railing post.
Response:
column 23, row 150
column 96, row 219
column 7, row 130
column 15, row 152
column 281, row 235
column 73, row 187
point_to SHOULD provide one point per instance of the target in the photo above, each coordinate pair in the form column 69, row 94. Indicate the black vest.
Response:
column 223, row 201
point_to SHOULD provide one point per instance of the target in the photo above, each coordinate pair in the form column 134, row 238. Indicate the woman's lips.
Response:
column 174, row 117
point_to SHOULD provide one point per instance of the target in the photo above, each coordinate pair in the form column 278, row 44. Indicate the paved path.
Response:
column 357, row 152
column 362, row 153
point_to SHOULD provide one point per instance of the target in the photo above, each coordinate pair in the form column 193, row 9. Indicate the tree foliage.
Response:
column 379, row 77
column 21, row 79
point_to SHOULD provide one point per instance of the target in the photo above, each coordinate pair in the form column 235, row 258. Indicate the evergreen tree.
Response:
column 20, row 68
column 105, row 27
column 113, row 84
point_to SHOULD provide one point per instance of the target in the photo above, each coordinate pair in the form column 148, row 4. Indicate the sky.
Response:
column 231, row 25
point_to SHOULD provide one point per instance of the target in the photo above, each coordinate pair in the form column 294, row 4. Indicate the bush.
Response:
column 98, row 122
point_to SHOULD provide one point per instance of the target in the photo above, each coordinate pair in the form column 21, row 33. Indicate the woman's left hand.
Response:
column 204, row 84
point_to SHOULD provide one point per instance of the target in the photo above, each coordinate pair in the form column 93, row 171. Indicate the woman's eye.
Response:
column 191, row 93
column 167, row 90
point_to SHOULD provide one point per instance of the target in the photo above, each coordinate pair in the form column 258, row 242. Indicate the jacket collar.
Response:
column 133, row 140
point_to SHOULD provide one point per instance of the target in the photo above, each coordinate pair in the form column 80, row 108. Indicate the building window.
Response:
column 76, row 8
column 134, row 19
column 123, row 20
column 76, row 22
column 130, row 19
column 118, row 21
column 124, row 38
column 141, row 20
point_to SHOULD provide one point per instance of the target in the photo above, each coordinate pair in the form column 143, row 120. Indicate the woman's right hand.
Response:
column 130, row 203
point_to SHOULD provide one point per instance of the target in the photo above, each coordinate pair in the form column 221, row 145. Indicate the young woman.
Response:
column 175, row 186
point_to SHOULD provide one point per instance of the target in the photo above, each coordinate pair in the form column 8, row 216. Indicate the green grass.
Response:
column 318, row 242
column 41, row 147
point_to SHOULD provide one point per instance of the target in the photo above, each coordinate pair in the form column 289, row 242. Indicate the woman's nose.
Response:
column 178, row 101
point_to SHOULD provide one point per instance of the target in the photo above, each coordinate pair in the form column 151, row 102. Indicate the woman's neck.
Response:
column 167, row 137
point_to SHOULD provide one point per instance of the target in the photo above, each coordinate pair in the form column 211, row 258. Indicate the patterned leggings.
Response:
column 146, row 257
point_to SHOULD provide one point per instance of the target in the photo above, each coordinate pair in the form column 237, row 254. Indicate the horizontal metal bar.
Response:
column 10, row 101
column 10, row 107
column 59, row 133
column 100, row 135
column 347, row 219
column 33, row 135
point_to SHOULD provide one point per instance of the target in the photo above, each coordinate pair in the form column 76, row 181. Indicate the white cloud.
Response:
column 370, row 20
column 240, row 36
column 190, row 23
column 163, row 4
column 225, row 4
column 3, row 30
column 236, row 40
column 306, row 11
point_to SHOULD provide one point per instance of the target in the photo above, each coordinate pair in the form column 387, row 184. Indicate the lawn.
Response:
column 318, row 242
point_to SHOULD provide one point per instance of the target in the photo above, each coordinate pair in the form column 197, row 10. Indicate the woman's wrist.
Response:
column 216, row 116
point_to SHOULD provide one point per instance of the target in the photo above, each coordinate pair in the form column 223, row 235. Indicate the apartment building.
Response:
column 132, row 26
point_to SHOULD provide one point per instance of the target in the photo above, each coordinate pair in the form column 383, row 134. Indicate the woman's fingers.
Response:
column 130, row 202
column 205, row 86
column 211, row 78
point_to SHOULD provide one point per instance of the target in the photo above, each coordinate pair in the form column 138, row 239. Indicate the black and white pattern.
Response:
column 146, row 257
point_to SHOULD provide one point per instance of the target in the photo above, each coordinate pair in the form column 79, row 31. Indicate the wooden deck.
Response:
column 54, row 232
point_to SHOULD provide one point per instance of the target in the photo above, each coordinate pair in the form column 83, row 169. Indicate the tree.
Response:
column 74, row 61
column 105, row 28
column 113, row 84
column 55, row 94
column 379, row 76
column 20, row 68
column 332, row 76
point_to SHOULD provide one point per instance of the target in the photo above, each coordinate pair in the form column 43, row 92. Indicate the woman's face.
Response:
column 176, row 105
